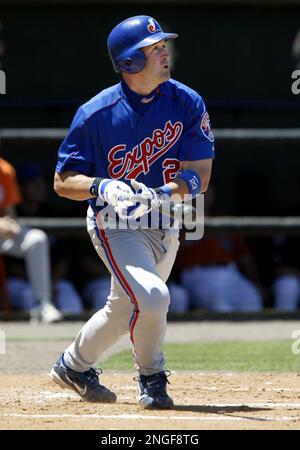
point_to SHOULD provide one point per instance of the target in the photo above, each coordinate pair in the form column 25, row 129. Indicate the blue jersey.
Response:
column 122, row 135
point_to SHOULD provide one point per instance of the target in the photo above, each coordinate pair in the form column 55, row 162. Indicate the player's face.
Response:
column 157, row 64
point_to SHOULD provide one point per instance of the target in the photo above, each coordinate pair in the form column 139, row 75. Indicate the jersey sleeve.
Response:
column 197, row 140
column 76, row 151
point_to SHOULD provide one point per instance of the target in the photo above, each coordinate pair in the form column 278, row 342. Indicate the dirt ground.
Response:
column 252, row 401
column 202, row 401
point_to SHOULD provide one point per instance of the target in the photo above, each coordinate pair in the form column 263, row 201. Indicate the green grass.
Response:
column 258, row 356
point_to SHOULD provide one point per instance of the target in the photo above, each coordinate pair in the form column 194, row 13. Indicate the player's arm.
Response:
column 181, row 186
column 73, row 185
column 77, row 186
column 196, row 151
column 192, row 180
column 9, row 227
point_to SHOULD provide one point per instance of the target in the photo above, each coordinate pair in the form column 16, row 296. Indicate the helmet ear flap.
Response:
column 131, row 62
column 113, row 60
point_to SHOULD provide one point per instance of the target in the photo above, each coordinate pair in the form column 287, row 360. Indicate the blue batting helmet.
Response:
column 128, row 37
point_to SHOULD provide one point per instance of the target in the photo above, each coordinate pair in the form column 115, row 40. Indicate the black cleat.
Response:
column 86, row 384
column 153, row 391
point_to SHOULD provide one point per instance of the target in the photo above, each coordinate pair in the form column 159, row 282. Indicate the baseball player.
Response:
column 30, row 244
column 149, row 135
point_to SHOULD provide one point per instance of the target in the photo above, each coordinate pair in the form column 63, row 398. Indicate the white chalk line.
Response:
column 216, row 389
column 49, row 395
column 145, row 417
column 213, row 417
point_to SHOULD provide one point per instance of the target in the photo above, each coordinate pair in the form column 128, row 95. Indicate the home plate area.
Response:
column 202, row 401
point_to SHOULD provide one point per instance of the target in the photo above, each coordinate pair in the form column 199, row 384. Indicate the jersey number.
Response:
column 171, row 169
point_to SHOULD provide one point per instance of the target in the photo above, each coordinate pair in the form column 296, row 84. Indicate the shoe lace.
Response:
column 92, row 374
column 156, row 383
column 167, row 373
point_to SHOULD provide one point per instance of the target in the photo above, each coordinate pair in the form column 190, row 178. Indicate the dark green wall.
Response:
column 56, row 57
column 251, row 178
column 59, row 52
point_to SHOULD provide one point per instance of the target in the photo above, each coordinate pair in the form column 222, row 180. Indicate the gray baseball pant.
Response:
column 33, row 246
column 140, row 262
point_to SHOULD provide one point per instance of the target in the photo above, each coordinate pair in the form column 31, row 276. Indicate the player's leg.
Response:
column 32, row 245
column 287, row 292
column 101, row 331
column 121, row 311
column 75, row 368
column 166, row 261
column 142, row 306
column 146, row 278
column 153, row 385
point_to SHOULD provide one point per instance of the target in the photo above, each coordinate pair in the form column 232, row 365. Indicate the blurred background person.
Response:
column 219, row 272
column 67, row 298
column 30, row 244
column 34, row 190
column 286, row 272
column 180, row 298
column 97, row 288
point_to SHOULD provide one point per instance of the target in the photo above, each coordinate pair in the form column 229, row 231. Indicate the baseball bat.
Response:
column 179, row 211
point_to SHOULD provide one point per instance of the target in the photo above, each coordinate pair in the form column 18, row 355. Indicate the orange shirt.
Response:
column 210, row 251
column 9, row 189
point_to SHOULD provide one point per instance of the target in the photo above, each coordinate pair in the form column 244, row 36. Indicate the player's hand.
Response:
column 131, row 209
column 113, row 191
column 147, row 195
column 9, row 228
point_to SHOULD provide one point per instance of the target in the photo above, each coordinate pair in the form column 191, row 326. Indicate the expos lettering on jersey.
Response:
column 129, row 163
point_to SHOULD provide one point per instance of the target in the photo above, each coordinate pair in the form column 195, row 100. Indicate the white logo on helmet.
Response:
column 151, row 26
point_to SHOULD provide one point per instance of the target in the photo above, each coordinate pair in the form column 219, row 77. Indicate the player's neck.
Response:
column 140, row 85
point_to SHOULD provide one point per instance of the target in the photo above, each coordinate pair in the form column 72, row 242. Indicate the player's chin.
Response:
column 165, row 74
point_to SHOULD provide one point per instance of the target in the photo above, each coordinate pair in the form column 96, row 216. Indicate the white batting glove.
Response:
column 113, row 191
column 148, row 194
column 154, row 197
column 132, row 210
